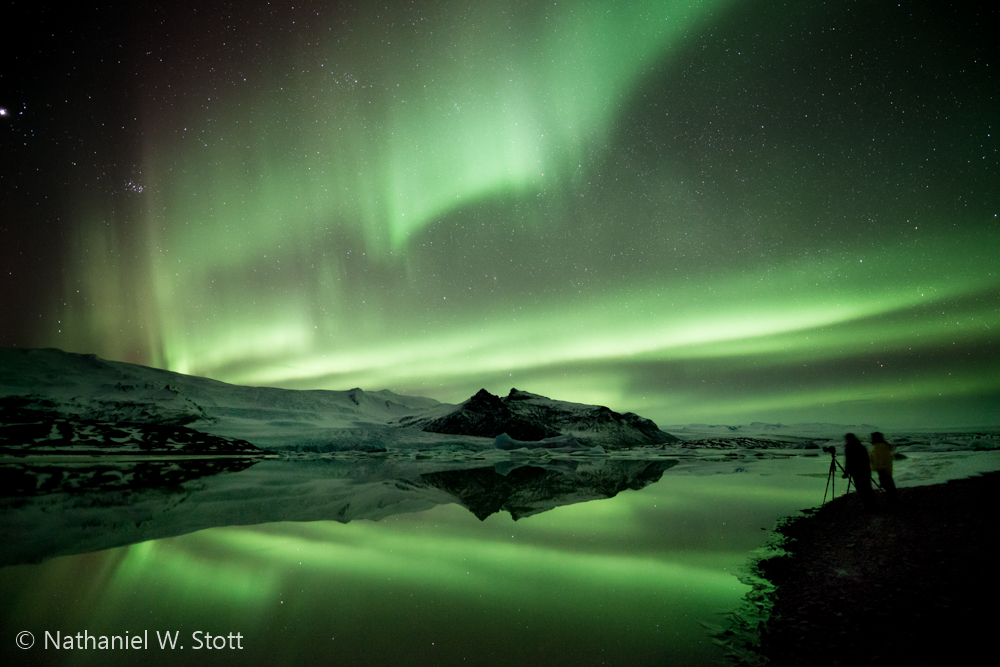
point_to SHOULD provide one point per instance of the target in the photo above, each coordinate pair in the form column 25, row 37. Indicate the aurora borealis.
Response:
column 698, row 211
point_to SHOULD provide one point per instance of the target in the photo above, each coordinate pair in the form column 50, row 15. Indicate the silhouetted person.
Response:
column 856, row 466
column 881, row 458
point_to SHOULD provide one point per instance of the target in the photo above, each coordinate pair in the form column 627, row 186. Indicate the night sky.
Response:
column 699, row 211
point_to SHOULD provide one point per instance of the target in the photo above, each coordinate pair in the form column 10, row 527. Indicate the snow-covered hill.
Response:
column 41, row 385
column 107, row 405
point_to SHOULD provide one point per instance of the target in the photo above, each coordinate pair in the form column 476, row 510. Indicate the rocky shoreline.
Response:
column 907, row 586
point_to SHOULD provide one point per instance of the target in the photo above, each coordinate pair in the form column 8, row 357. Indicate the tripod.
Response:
column 831, row 477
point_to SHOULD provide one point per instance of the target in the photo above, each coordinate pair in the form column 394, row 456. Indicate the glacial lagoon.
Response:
column 394, row 560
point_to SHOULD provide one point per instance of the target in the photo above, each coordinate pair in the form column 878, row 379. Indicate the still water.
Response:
column 625, row 580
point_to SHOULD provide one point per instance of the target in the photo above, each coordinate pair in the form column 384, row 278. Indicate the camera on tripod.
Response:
column 831, row 478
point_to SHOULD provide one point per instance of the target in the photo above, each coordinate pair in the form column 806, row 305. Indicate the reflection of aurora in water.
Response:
column 627, row 578
column 695, row 211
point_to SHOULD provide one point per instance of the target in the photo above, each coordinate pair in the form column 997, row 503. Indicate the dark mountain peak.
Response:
column 484, row 400
column 486, row 415
column 531, row 417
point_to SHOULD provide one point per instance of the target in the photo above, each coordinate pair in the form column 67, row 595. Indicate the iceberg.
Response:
column 505, row 442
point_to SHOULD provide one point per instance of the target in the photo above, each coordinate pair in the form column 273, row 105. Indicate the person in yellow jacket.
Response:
column 881, row 459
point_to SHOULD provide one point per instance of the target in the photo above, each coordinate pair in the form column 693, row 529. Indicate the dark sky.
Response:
column 699, row 211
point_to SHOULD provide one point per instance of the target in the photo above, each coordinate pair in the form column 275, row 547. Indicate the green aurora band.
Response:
column 585, row 200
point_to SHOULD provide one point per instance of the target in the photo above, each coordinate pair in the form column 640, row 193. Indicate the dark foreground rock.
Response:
column 914, row 586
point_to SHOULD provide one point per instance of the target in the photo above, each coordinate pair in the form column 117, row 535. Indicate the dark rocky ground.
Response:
column 97, row 438
column 912, row 586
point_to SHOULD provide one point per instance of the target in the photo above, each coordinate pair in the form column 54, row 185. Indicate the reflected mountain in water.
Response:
column 526, row 490
column 52, row 509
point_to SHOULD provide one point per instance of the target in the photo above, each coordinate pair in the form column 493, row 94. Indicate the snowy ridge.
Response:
column 38, row 386
column 93, row 397
column 48, row 384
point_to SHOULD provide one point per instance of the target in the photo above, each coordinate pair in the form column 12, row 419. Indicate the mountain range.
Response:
column 52, row 400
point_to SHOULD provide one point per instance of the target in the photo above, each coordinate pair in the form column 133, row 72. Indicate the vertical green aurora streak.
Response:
column 691, row 210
